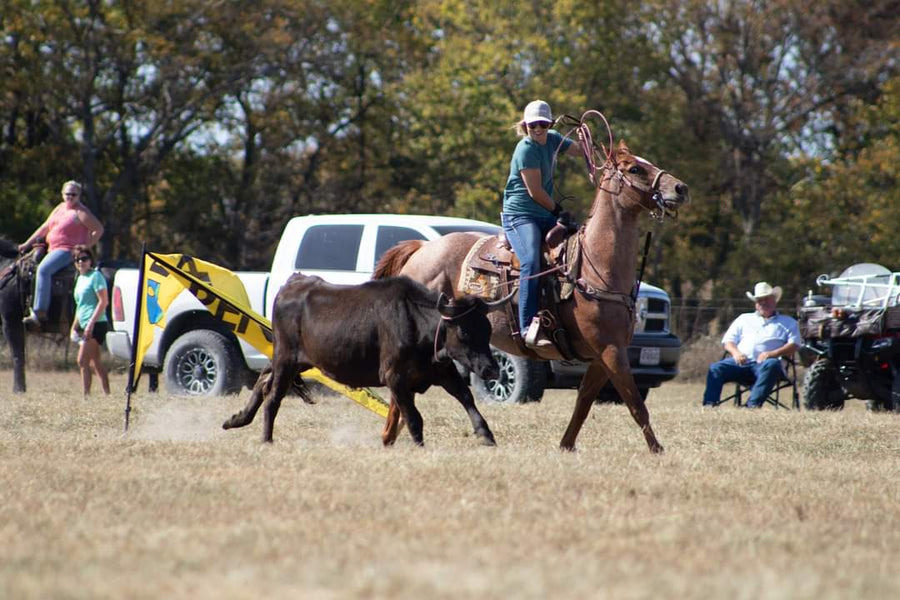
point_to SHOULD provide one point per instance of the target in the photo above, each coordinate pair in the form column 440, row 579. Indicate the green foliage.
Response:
column 846, row 211
column 202, row 127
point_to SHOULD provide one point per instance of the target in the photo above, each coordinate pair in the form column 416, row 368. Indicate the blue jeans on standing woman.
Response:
column 525, row 234
column 759, row 377
column 53, row 262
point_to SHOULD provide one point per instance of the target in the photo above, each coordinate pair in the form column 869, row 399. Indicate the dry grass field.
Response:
column 743, row 504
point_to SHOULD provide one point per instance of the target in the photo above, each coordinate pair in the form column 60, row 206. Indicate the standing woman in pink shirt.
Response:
column 70, row 224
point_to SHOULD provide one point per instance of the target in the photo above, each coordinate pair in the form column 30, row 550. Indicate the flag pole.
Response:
column 135, row 335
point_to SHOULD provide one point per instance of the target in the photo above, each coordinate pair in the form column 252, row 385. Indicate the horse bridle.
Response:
column 658, row 209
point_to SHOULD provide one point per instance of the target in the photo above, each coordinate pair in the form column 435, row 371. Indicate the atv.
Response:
column 852, row 340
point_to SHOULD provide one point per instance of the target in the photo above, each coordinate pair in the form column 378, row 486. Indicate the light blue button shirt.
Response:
column 753, row 334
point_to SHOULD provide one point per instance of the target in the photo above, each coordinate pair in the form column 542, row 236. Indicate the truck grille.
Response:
column 651, row 315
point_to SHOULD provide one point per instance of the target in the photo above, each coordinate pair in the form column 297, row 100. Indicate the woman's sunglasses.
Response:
column 539, row 125
column 82, row 258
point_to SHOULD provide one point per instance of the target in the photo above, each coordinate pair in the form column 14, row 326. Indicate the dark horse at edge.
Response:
column 12, row 311
column 16, row 288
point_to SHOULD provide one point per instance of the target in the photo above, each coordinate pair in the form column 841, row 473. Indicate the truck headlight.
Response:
column 640, row 314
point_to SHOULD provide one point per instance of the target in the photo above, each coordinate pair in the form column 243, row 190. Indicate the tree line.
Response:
column 201, row 127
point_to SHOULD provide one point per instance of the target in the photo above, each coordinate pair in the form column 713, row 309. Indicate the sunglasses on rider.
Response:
column 539, row 125
column 82, row 259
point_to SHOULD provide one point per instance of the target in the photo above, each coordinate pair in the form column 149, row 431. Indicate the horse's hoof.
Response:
column 657, row 449
column 488, row 442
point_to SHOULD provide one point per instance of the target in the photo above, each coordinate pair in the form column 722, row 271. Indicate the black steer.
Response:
column 391, row 332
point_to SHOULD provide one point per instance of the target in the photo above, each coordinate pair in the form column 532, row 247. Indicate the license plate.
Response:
column 649, row 356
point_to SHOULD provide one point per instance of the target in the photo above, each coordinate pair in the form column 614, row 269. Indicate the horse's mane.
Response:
column 392, row 261
column 8, row 249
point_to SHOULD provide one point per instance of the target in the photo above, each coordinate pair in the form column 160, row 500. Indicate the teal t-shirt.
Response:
column 86, row 288
column 531, row 155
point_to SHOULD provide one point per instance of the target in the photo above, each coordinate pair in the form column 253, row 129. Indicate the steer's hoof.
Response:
column 236, row 420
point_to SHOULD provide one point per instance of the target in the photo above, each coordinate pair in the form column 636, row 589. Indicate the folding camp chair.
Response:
column 787, row 381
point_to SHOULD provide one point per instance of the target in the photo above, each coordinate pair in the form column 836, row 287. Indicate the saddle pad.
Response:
column 573, row 264
column 478, row 277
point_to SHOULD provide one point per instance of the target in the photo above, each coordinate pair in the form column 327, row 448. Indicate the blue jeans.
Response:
column 53, row 262
column 759, row 377
column 525, row 234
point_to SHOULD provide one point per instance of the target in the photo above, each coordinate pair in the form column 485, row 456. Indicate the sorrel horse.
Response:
column 600, row 315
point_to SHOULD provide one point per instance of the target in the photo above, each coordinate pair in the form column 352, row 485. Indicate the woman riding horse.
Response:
column 71, row 223
column 599, row 317
column 529, row 210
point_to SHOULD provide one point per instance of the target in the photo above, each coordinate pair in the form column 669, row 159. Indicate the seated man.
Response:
column 756, row 341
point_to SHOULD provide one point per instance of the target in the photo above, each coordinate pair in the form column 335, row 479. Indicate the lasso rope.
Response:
column 589, row 150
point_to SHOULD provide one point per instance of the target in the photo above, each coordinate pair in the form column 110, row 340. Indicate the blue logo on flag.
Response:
column 154, row 312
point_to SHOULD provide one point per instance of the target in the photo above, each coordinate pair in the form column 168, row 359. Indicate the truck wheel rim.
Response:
column 502, row 387
column 197, row 371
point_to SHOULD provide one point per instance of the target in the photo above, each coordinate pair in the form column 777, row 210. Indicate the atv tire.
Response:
column 821, row 388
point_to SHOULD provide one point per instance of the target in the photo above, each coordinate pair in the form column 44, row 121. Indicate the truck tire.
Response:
column 521, row 380
column 821, row 389
column 203, row 363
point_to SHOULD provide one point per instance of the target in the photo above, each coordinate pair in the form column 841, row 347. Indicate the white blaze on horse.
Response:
column 599, row 316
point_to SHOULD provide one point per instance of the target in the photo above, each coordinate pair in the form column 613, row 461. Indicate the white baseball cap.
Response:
column 537, row 110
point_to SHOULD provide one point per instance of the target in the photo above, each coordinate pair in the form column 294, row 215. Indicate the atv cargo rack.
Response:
column 864, row 291
column 865, row 304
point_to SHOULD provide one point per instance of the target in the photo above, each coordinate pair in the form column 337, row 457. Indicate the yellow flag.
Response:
column 161, row 287
column 221, row 292
column 150, row 315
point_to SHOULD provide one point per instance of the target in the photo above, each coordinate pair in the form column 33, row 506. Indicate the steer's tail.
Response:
column 392, row 261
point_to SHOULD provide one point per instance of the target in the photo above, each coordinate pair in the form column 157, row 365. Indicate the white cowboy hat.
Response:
column 762, row 290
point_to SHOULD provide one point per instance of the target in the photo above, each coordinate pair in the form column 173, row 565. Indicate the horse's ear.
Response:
column 623, row 148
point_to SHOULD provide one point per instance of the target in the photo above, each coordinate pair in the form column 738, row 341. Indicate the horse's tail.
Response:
column 392, row 261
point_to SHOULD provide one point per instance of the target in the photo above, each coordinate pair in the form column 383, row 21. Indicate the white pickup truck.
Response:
column 197, row 354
